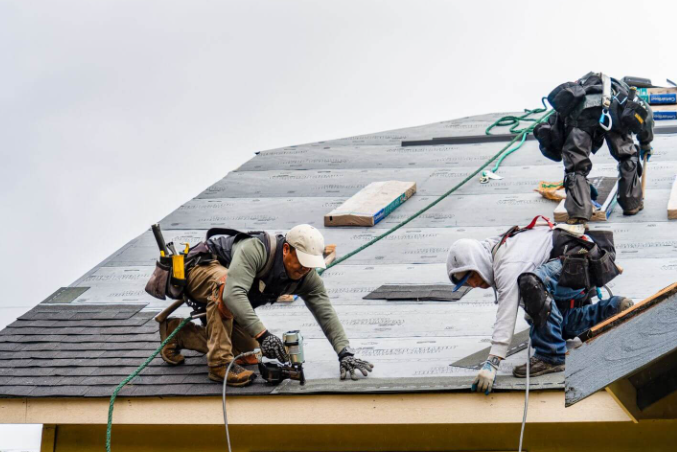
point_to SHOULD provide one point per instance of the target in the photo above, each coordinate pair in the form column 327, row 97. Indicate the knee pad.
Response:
column 537, row 301
column 629, row 166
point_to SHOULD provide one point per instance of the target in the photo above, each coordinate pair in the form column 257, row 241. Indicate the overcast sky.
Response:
column 114, row 113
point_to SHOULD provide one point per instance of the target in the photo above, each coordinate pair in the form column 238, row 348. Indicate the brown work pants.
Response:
column 225, row 338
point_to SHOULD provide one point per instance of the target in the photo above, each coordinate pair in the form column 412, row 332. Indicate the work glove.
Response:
column 272, row 347
column 486, row 377
column 349, row 364
column 645, row 149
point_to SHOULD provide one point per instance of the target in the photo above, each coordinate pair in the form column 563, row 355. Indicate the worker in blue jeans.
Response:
column 568, row 318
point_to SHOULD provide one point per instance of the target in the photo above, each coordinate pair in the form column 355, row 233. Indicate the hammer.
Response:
column 166, row 312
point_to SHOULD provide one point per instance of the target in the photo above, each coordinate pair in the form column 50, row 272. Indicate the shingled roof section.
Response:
column 83, row 340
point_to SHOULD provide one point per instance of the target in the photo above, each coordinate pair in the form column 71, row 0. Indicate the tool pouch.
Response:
column 157, row 284
column 633, row 116
column 575, row 272
column 550, row 136
column 603, row 270
column 163, row 284
column 566, row 97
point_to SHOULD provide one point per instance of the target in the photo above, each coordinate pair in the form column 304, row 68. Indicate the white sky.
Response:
column 114, row 113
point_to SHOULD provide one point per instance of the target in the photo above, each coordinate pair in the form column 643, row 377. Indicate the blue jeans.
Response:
column 549, row 341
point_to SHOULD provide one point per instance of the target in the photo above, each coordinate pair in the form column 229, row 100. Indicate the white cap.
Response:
column 309, row 245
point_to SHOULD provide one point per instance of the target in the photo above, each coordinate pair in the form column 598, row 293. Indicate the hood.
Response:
column 475, row 255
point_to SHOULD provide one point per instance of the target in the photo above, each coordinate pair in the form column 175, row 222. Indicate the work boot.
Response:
column 238, row 375
column 171, row 352
column 625, row 303
column 634, row 211
column 190, row 337
column 536, row 368
column 247, row 360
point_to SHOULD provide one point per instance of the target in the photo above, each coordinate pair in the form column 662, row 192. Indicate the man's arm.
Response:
column 508, row 302
column 315, row 296
column 249, row 257
column 504, row 327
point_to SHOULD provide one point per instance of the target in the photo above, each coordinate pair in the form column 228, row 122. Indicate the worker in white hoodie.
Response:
column 525, row 270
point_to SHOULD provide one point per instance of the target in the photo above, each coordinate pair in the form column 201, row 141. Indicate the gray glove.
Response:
column 272, row 347
column 349, row 364
column 484, row 382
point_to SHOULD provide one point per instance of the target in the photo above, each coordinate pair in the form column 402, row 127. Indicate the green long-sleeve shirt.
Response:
column 249, row 258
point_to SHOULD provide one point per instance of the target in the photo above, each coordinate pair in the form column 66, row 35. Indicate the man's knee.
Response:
column 537, row 302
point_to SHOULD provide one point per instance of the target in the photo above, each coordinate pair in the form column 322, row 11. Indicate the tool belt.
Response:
column 585, row 264
column 163, row 284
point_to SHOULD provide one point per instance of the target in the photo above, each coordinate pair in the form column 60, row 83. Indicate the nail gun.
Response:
column 275, row 373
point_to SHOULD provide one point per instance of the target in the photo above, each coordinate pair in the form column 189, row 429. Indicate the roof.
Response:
column 85, row 339
column 639, row 345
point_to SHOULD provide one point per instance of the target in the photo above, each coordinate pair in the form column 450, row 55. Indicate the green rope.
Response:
column 522, row 135
column 514, row 122
column 132, row 376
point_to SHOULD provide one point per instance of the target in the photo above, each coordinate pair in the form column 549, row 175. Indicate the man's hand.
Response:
column 484, row 381
column 645, row 149
column 349, row 364
column 272, row 347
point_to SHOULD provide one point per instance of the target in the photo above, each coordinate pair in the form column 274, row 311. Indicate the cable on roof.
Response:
column 131, row 376
column 521, row 135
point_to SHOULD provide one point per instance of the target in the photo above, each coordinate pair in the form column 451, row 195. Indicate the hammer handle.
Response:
column 166, row 312
column 157, row 233
column 644, row 171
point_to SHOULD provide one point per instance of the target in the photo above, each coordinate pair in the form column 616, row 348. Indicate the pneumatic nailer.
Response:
column 275, row 373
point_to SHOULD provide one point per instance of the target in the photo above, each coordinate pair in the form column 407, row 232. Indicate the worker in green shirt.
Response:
column 235, row 273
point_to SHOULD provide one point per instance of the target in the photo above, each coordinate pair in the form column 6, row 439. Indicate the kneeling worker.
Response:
column 526, row 269
column 234, row 274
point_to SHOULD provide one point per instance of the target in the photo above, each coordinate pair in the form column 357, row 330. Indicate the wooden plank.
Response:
column 622, row 351
column 371, row 204
column 625, row 395
column 629, row 313
column 672, row 202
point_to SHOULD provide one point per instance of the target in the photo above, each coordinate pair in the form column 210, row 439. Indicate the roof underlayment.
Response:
column 87, row 345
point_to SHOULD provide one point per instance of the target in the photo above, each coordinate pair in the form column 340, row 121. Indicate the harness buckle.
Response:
column 602, row 121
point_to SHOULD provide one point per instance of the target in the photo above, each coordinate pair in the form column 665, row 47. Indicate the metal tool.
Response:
column 275, row 373
column 171, row 246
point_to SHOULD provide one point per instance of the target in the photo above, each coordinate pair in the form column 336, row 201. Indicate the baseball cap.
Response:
column 309, row 245
column 460, row 279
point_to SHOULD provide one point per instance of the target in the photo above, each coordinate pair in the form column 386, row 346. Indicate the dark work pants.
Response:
column 577, row 166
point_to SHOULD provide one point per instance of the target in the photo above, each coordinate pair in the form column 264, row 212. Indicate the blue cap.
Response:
column 462, row 282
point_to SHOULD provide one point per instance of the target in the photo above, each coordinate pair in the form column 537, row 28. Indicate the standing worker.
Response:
column 235, row 273
column 526, row 268
column 592, row 110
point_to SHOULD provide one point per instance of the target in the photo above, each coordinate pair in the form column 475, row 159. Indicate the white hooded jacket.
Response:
column 522, row 253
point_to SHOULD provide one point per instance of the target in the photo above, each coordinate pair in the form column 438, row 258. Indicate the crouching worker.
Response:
column 233, row 273
column 540, row 269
